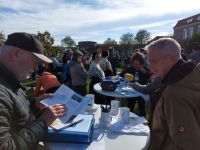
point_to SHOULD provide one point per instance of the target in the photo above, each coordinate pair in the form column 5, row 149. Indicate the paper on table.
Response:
column 58, row 125
column 123, row 89
column 137, row 120
column 136, row 126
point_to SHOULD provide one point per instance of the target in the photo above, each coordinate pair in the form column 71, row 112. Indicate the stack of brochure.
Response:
column 80, row 131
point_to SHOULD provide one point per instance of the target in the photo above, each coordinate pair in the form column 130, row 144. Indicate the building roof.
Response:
column 189, row 20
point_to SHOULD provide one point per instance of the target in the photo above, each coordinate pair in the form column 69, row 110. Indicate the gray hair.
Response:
column 165, row 46
column 5, row 48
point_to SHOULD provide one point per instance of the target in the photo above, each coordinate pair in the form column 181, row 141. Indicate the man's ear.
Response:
column 14, row 55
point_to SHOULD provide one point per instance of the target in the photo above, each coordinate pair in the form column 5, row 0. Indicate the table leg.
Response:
column 122, row 101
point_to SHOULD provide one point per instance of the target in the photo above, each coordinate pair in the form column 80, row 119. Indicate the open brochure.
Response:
column 74, row 102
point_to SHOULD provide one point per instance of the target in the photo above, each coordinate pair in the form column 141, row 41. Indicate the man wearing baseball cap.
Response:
column 19, row 57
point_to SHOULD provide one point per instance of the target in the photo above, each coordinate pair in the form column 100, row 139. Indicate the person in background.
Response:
column 113, row 59
column 67, row 56
column 41, row 69
column 105, row 64
column 176, row 119
column 183, row 54
column 66, row 73
column 78, row 74
column 137, row 67
column 87, row 62
column 95, row 69
column 195, row 55
column 47, row 83
column 126, row 60
column 19, row 129
column 96, row 74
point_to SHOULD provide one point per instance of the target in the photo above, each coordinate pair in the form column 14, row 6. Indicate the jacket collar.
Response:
column 9, row 78
column 179, row 71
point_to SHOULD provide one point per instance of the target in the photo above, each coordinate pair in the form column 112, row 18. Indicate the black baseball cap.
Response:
column 29, row 43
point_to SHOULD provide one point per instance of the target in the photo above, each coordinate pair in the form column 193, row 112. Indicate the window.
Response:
column 189, row 20
column 198, row 29
column 185, row 33
column 198, row 18
column 190, row 32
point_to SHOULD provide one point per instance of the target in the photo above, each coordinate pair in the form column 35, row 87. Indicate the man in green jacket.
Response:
column 176, row 119
column 19, row 130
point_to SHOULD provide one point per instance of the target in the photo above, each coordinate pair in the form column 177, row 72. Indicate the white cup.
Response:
column 124, row 115
column 114, row 107
column 105, row 119
column 91, row 104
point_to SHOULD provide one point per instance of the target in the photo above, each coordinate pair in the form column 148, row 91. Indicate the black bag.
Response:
column 109, row 85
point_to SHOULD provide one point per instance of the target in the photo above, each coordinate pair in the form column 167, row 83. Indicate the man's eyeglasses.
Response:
column 155, row 61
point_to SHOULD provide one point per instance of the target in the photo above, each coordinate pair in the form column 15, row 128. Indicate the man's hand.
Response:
column 51, row 113
column 129, row 84
column 40, row 98
column 132, row 85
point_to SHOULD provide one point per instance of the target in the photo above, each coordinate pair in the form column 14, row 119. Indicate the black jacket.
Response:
column 18, row 127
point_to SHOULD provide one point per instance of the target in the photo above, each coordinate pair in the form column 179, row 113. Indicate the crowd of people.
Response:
column 159, row 70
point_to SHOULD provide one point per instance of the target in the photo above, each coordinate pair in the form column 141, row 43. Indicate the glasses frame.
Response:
column 155, row 61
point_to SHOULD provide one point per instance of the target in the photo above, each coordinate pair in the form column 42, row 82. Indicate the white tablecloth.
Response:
column 106, row 139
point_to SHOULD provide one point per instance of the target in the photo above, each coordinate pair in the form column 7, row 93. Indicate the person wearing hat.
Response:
column 19, row 129
column 46, row 83
column 78, row 74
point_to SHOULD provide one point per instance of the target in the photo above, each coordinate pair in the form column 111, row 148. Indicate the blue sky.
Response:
column 94, row 20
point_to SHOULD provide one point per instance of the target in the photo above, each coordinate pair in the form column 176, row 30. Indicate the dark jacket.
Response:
column 67, row 74
column 18, row 127
column 176, row 120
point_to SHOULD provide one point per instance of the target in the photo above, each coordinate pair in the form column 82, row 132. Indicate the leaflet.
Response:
column 74, row 102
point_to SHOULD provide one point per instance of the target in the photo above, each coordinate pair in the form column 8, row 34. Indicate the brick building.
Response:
column 186, row 28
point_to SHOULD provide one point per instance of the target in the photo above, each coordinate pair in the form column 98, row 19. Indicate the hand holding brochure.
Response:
column 74, row 102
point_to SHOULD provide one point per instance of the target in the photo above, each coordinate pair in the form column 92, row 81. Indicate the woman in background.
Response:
column 96, row 75
column 105, row 64
column 137, row 68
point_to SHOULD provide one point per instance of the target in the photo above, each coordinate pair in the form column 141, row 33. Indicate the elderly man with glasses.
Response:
column 176, row 119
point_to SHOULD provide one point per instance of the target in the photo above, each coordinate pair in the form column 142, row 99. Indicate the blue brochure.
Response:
column 78, row 131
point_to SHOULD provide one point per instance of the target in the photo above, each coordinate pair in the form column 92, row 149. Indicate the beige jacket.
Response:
column 95, row 70
column 105, row 64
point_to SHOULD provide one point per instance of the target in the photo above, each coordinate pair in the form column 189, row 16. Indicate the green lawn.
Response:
column 29, row 83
